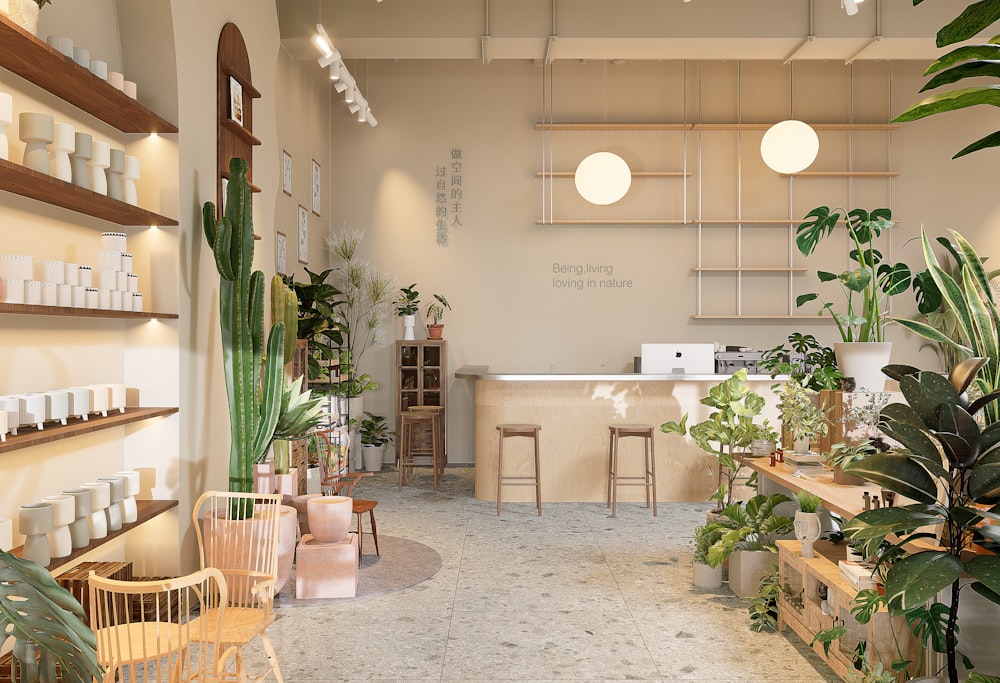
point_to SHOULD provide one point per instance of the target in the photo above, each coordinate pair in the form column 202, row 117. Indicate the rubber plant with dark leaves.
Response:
column 951, row 468
column 254, row 379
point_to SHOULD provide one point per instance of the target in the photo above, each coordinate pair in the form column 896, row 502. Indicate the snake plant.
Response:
column 46, row 623
column 254, row 403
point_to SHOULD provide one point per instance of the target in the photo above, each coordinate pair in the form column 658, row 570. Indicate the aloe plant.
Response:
column 950, row 467
column 254, row 404
column 47, row 625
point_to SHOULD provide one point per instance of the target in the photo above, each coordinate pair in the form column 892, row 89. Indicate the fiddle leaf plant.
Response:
column 950, row 467
column 729, row 430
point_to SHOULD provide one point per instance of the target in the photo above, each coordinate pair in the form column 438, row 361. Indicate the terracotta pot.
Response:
column 329, row 518
column 287, row 536
column 435, row 331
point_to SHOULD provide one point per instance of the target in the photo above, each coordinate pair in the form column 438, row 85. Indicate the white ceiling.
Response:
column 618, row 29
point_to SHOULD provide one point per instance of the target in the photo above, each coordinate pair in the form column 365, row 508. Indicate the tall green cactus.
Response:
column 285, row 309
column 254, row 405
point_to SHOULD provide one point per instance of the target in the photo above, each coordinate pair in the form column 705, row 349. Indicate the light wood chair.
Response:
column 420, row 444
column 530, row 431
column 149, row 630
column 334, row 483
column 647, row 480
column 238, row 534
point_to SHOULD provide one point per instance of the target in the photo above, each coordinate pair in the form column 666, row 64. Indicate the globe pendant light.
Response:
column 789, row 146
column 603, row 178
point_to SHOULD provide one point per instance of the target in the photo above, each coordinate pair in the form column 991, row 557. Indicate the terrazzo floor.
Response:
column 574, row 595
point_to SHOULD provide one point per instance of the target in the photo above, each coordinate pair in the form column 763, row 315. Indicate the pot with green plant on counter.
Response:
column 435, row 312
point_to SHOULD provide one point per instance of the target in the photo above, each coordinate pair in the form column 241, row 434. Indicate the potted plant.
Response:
column 254, row 372
column 747, row 541
column 842, row 455
column 435, row 311
column 728, row 431
column 866, row 289
column 320, row 324
column 299, row 414
column 808, row 526
column 705, row 574
column 803, row 359
column 763, row 607
column 407, row 305
column 47, row 625
column 799, row 415
column 765, row 437
column 375, row 435
column 24, row 13
column 950, row 467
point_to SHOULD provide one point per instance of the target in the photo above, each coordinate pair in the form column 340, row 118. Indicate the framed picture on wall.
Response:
column 281, row 253
column 286, row 173
column 235, row 101
column 303, row 235
column 317, row 189
column 225, row 190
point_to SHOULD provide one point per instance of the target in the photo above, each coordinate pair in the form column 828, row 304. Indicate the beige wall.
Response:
column 497, row 269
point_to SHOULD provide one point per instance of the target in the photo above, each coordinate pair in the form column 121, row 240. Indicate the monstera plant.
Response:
column 46, row 624
column 950, row 467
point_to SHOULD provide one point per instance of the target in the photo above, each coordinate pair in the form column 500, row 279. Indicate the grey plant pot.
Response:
column 746, row 568
column 706, row 576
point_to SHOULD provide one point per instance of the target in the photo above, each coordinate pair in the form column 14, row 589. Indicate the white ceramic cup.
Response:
column 63, row 44
column 117, row 80
column 130, row 89
column 99, row 68
column 81, row 56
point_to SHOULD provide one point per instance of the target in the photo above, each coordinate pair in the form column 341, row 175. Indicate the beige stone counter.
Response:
column 574, row 412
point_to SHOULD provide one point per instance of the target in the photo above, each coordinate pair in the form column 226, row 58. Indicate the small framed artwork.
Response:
column 281, row 253
column 317, row 189
column 286, row 173
column 235, row 100
column 303, row 235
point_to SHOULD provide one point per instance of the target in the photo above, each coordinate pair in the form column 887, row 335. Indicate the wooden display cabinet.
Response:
column 422, row 376
column 816, row 596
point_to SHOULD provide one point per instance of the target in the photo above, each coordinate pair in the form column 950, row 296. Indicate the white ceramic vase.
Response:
column 863, row 361
column 130, row 511
column 801, row 445
column 63, row 514
column 79, row 532
column 807, row 529
column 6, row 118
column 98, row 164
column 36, row 131
column 35, row 521
column 373, row 457
column 82, row 153
column 329, row 518
column 409, row 322
column 100, row 492
column 129, row 178
column 24, row 13
column 114, row 510
column 706, row 576
column 115, row 170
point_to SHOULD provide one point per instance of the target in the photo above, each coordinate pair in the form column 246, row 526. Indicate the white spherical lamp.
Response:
column 603, row 178
column 789, row 146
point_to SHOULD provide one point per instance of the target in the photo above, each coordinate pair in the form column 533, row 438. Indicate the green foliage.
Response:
column 753, row 527
column 408, row 300
column 798, row 413
column 254, row 405
column 285, row 310
column 763, row 607
column 808, row 502
column 704, row 538
column 866, row 287
column 805, row 360
column 965, row 62
column 435, row 309
column 730, row 425
column 319, row 322
column 974, row 309
column 950, row 467
column 843, row 454
column 374, row 430
column 46, row 622
column 350, row 384
column 42, row 3
column 299, row 411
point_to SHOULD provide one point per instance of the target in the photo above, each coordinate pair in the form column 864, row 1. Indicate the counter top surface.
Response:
column 482, row 372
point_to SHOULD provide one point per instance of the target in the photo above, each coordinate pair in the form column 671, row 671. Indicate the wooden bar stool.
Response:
column 648, row 478
column 439, row 413
column 419, row 445
column 511, row 430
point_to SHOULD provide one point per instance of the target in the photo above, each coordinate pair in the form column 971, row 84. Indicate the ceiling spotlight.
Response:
column 850, row 6
column 354, row 107
column 335, row 71
column 349, row 94
column 363, row 115
column 322, row 41
column 371, row 120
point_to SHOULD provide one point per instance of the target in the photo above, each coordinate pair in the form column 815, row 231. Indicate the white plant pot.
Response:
column 808, row 528
column 35, row 520
column 63, row 144
column 36, row 131
column 82, row 153
column 864, row 362
column 24, row 13
column 100, row 499
column 746, row 568
column 706, row 576
column 373, row 457
column 63, row 514
column 78, row 530
column 801, row 445
column 409, row 322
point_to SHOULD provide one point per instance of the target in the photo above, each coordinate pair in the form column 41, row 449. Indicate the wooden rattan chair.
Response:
column 149, row 631
column 238, row 534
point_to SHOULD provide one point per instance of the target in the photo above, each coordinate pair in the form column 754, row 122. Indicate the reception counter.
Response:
column 575, row 411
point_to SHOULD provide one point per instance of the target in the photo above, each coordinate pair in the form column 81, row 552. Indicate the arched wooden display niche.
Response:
column 234, row 106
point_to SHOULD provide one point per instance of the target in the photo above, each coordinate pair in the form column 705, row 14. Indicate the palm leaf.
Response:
column 973, row 69
column 962, row 54
column 951, row 100
column 971, row 21
column 985, row 142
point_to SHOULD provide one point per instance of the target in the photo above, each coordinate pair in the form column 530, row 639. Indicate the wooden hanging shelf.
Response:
column 635, row 174
column 68, row 312
column 29, row 436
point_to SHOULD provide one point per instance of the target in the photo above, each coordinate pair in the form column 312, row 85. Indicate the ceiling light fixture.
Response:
column 341, row 77
column 851, row 6
column 322, row 42
column 603, row 178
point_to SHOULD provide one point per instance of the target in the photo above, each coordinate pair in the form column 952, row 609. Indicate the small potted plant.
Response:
column 843, row 454
column 804, row 359
column 765, row 438
column 435, row 311
column 705, row 574
column 808, row 526
column 375, row 435
column 407, row 306
column 799, row 415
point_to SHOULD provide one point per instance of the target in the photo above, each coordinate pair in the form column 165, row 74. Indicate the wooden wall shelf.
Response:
column 145, row 509
column 640, row 127
column 44, row 188
column 842, row 174
column 635, row 174
column 610, row 221
column 612, row 126
column 67, row 312
column 813, row 318
column 35, row 61
column 241, row 132
column 233, row 140
column 29, row 436
column 758, row 269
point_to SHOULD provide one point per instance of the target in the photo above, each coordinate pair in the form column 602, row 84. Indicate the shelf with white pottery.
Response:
column 635, row 174
column 44, row 188
column 29, row 436
column 749, row 269
column 145, row 511
column 68, row 312
column 35, row 61
column 643, row 127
